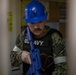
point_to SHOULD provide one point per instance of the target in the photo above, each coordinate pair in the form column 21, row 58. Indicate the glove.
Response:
column 26, row 57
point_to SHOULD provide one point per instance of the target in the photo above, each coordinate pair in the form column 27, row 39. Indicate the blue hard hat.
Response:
column 35, row 12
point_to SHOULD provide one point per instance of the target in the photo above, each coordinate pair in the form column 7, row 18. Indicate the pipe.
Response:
column 71, row 36
column 4, row 38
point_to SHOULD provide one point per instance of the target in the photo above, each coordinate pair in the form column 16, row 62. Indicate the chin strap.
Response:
column 36, row 66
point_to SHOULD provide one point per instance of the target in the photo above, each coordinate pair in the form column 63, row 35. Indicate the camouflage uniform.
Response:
column 59, row 54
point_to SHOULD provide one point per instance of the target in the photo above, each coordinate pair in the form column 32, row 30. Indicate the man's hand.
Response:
column 26, row 57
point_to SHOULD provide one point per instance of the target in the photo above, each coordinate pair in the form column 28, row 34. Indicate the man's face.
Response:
column 37, row 28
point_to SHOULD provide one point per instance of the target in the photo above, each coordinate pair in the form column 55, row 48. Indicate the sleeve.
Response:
column 15, row 55
column 59, row 53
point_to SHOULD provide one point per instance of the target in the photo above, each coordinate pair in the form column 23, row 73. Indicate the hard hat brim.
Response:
column 36, row 19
